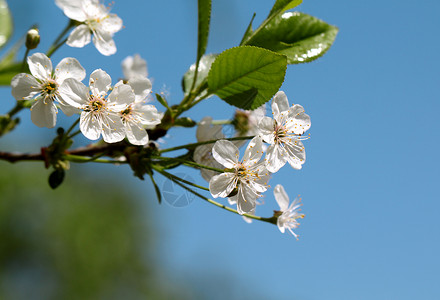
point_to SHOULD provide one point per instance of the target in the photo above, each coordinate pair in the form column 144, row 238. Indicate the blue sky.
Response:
column 370, row 183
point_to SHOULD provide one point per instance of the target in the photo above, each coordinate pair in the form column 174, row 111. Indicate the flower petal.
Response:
column 112, row 23
column 206, row 131
column 141, row 87
column 148, row 115
column 121, row 97
column 103, row 41
column 72, row 9
column 266, row 126
column 24, row 86
column 253, row 152
column 69, row 67
column 136, row 135
column 79, row 37
column 113, row 129
column 222, row 185
column 133, row 66
column 225, row 153
column 40, row 66
column 74, row 93
column 296, row 154
column 246, row 199
column 275, row 158
column 279, row 104
column 281, row 197
column 90, row 126
column 298, row 120
column 44, row 114
column 99, row 82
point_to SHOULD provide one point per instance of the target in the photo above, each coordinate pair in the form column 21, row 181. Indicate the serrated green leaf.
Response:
column 247, row 77
column 283, row 5
column 5, row 23
column 204, row 67
column 302, row 38
column 204, row 12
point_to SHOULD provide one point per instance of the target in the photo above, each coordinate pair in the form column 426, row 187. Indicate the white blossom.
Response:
column 100, row 113
column 137, row 117
column 244, row 177
column 43, row 86
column 203, row 153
column 246, row 123
column 284, row 134
column 289, row 214
column 96, row 19
column 134, row 66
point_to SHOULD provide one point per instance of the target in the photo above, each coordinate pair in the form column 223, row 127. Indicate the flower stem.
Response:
column 171, row 176
column 188, row 163
column 57, row 43
column 193, row 145
column 55, row 48
column 23, row 65
column 271, row 220
column 71, row 127
column 81, row 159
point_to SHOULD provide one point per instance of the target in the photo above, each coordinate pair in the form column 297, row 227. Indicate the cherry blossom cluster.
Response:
column 121, row 111
column 115, row 112
column 244, row 181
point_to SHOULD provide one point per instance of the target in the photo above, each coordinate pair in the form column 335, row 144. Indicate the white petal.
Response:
column 222, row 185
column 296, row 154
column 253, row 152
column 112, row 23
column 141, row 87
column 79, row 37
column 100, row 82
column 74, row 93
column 246, row 199
column 134, row 66
column 90, row 126
column 276, row 157
column 281, row 197
column 136, row 135
column 40, row 66
column 280, row 225
column 72, row 9
column 68, row 109
column 104, row 42
column 44, row 114
column 206, row 131
column 120, row 97
column 299, row 121
column 225, row 153
column 266, row 126
column 279, row 104
column 69, row 67
column 113, row 129
column 24, row 86
column 148, row 115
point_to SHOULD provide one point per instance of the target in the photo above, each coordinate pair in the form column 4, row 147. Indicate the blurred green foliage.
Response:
column 87, row 240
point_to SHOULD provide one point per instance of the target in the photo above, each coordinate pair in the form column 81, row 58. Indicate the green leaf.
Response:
column 302, row 38
column 247, row 77
column 204, row 67
column 204, row 12
column 283, row 5
column 185, row 122
column 5, row 23
column 248, row 31
column 7, row 73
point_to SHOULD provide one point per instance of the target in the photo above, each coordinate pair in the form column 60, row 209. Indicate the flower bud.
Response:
column 32, row 38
